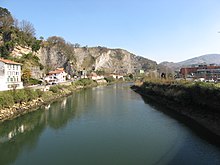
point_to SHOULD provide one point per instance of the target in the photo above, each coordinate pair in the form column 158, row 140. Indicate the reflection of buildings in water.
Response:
column 14, row 132
column 63, row 104
column 47, row 107
column 98, row 96
column 20, row 129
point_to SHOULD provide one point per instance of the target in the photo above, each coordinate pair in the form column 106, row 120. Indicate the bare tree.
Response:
column 6, row 20
column 56, row 40
column 16, row 23
column 27, row 27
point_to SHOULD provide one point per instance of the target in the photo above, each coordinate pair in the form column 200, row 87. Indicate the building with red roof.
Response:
column 56, row 76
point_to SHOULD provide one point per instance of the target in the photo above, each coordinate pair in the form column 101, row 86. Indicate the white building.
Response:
column 10, row 75
column 117, row 76
column 96, row 77
column 56, row 76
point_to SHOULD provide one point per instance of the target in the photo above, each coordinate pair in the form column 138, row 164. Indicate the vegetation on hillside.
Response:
column 19, row 33
column 14, row 32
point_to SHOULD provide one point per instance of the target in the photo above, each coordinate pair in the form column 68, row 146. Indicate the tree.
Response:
column 56, row 40
column 41, row 38
column 77, row 45
column 6, row 20
column 131, row 76
column 26, row 75
column 27, row 27
column 36, row 45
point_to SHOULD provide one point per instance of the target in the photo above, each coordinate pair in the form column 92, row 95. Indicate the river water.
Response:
column 109, row 125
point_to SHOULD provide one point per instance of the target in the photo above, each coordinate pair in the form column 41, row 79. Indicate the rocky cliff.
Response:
column 94, row 58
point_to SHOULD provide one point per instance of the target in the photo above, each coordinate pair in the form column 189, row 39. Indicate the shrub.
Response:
column 20, row 96
column 31, row 94
column 33, row 81
column 54, row 89
column 109, row 79
column 84, row 82
column 39, row 93
column 6, row 99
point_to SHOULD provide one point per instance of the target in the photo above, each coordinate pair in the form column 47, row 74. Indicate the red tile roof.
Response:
column 9, row 61
column 58, row 70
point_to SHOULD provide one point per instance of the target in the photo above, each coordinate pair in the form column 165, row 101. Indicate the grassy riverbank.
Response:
column 196, row 100
column 18, row 102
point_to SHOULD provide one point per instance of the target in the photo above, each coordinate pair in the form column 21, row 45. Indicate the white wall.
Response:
column 11, row 76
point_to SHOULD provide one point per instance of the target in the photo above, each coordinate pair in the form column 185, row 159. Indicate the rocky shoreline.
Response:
column 20, row 109
column 207, row 118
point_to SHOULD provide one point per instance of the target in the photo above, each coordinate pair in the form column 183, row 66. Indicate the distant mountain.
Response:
column 204, row 59
column 208, row 59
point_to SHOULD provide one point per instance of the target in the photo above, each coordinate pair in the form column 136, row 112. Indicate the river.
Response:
column 106, row 125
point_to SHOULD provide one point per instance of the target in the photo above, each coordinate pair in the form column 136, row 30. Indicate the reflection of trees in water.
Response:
column 197, row 128
column 23, row 133
column 19, row 134
column 60, row 113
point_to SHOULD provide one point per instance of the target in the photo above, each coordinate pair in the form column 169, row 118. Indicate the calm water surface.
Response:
column 102, row 126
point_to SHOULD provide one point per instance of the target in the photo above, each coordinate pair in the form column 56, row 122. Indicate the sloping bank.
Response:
column 198, row 101
column 19, row 102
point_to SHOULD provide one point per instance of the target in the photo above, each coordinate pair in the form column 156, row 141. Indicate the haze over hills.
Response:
column 204, row 59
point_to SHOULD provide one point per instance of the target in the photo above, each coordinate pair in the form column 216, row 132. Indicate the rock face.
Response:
column 20, row 50
column 95, row 58
column 52, row 57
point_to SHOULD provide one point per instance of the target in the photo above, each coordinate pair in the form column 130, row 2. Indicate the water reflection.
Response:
column 191, row 124
column 24, row 132
column 103, row 125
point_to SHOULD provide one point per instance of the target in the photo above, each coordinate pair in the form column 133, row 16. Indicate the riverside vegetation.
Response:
column 14, row 103
column 196, row 100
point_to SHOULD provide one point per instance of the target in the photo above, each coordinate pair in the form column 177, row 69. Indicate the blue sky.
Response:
column 161, row 30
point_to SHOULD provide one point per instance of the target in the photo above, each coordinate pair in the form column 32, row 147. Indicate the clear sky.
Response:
column 161, row 30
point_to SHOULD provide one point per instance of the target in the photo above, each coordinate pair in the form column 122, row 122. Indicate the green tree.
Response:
column 26, row 75
column 36, row 45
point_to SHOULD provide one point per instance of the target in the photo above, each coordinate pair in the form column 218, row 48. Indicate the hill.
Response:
column 94, row 58
column 38, row 56
column 204, row 59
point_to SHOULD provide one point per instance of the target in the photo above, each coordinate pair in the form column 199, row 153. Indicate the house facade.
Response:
column 10, row 75
column 57, row 76
column 207, row 72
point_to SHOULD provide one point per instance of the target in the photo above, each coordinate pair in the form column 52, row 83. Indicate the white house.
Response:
column 10, row 75
column 56, row 76
column 95, row 77
column 117, row 76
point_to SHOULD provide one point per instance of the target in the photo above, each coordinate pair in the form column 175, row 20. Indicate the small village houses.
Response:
column 10, row 75
column 57, row 76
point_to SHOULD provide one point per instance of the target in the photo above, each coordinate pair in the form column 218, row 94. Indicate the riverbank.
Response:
column 19, row 102
column 197, row 101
